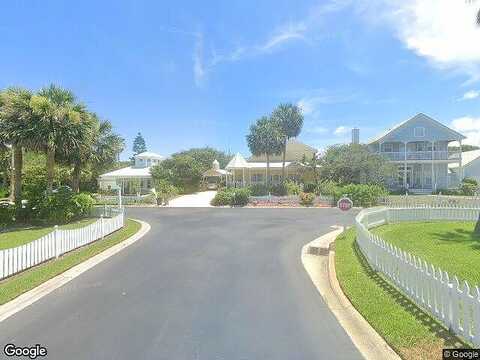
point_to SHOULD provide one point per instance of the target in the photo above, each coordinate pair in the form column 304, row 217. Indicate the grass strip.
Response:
column 18, row 284
column 411, row 332
column 18, row 236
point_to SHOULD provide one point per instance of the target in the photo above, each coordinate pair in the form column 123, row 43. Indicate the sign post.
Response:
column 344, row 204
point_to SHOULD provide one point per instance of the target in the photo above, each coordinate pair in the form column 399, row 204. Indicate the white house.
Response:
column 470, row 166
column 132, row 177
column 419, row 148
column 243, row 172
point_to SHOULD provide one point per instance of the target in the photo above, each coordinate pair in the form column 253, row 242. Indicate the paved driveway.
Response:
column 199, row 199
column 202, row 284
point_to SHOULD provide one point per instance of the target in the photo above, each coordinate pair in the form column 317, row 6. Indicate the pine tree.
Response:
column 139, row 145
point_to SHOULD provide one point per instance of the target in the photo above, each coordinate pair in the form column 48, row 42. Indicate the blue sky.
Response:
column 191, row 73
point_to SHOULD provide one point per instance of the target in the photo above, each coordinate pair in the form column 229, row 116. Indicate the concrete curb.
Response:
column 321, row 270
column 28, row 298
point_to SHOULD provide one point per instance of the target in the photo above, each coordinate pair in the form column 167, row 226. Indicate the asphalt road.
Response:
column 214, row 284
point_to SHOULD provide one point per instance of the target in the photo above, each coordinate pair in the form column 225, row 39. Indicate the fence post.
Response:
column 57, row 241
column 101, row 226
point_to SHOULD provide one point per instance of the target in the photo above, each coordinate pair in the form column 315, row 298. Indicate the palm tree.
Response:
column 56, row 116
column 290, row 121
column 98, row 147
column 265, row 137
column 16, row 129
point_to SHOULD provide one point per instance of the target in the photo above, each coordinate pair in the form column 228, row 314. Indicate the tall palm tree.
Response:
column 290, row 121
column 265, row 138
column 56, row 111
column 16, row 129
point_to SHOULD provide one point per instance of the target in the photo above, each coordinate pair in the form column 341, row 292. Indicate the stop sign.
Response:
column 344, row 204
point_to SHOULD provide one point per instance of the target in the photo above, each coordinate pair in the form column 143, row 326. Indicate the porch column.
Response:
column 243, row 176
column 460, row 167
column 434, row 185
column 405, row 166
column 423, row 176
column 234, row 185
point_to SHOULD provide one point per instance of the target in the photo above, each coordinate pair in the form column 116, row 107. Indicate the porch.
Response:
column 422, row 177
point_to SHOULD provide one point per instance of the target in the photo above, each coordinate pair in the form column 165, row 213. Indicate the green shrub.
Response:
column 258, row 190
column 306, row 199
column 292, row 187
column 240, row 197
column 449, row 192
column 329, row 188
column 309, row 187
column 279, row 190
column 364, row 194
column 232, row 197
column 7, row 213
column 3, row 192
column 83, row 204
column 469, row 187
column 223, row 197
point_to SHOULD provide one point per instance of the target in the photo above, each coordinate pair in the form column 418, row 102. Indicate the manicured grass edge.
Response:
column 18, row 284
column 410, row 331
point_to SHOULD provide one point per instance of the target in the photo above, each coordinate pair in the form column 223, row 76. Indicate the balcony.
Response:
column 421, row 155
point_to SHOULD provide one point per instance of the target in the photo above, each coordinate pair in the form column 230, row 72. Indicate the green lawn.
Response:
column 21, row 235
column 408, row 330
column 18, row 284
column 450, row 245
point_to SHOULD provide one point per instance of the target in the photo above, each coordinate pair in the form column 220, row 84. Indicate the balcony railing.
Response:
column 421, row 155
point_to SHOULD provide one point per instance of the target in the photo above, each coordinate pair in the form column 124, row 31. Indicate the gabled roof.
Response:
column 238, row 162
column 149, row 154
column 416, row 117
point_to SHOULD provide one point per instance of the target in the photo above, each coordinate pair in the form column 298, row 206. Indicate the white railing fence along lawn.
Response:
column 414, row 201
column 56, row 243
column 455, row 304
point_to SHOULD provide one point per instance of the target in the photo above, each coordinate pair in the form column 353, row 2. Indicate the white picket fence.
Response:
column 56, row 243
column 455, row 304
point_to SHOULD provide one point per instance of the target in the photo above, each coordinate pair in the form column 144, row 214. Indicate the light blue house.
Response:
column 419, row 148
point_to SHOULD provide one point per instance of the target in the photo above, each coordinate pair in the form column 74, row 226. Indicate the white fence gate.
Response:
column 455, row 304
column 56, row 243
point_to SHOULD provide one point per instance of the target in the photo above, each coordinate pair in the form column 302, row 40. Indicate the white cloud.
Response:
column 341, row 130
column 444, row 31
column 470, row 95
column 199, row 71
column 289, row 32
column 468, row 126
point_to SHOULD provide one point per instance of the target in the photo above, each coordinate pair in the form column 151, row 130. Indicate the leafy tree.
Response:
column 312, row 165
column 290, row 121
column 354, row 164
column 265, row 137
column 139, row 145
column 465, row 147
column 16, row 129
column 182, row 171
column 205, row 157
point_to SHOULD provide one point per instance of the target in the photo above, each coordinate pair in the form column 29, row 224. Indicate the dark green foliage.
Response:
column 279, row 190
column 328, row 188
column 182, row 171
column 240, row 197
column 7, row 213
column 354, row 164
column 309, row 187
column 205, row 157
column 259, row 190
column 139, row 145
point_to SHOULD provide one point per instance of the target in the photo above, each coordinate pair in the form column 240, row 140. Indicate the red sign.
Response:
column 344, row 204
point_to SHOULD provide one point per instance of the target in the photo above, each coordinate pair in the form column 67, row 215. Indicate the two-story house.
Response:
column 419, row 149
column 132, row 179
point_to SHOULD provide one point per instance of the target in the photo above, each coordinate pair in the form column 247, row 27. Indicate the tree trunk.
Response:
column 267, row 180
column 50, row 168
column 76, row 177
column 283, row 159
column 17, row 173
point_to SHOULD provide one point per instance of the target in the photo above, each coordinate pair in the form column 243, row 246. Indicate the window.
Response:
column 419, row 132
column 388, row 147
column 257, row 178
